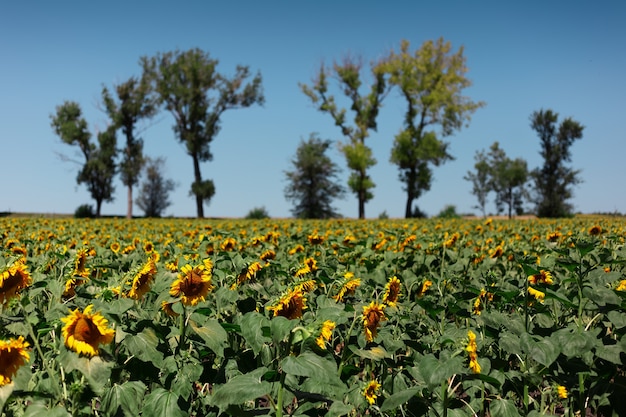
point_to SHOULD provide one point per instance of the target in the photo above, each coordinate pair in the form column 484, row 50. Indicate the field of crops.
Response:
column 430, row 317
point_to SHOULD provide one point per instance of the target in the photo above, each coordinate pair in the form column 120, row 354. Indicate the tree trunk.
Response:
column 198, row 178
column 129, row 209
column 408, row 212
column 411, row 179
column 98, row 207
column 361, row 195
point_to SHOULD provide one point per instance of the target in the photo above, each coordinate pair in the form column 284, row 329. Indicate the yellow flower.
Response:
column 561, row 391
column 595, row 230
column 392, row 291
column 148, row 246
column 228, row 244
column 143, row 280
column 539, row 296
column 290, row 305
column 247, row 274
column 80, row 270
column 325, row 333
column 115, row 247
column 315, row 239
column 298, row 248
column 373, row 314
column 268, row 255
column 84, row 332
column 425, row 286
column 167, row 308
column 13, row 354
column 193, row 283
column 543, row 277
column 371, row 390
column 621, row 286
column 14, row 279
column 471, row 349
column 348, row 287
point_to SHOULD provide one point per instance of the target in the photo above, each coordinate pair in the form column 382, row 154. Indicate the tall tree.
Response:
column 312, row 183
column 134, row 103
column 197, row 95
column 99, row 168
column 431, row 80
column 508, row 180
column 554, row 181
column 481, row 180
column 154, row 191
column 365, row 107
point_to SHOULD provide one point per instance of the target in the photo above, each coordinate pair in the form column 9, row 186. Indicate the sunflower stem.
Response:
column 345, row 350
column 183, row 326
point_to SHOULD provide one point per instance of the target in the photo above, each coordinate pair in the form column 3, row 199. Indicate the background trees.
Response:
column 431, row 80
column 358, row 156
column 188, row 84
column 508, row 178
column 480, row 179
column 153, row 196
column 311, row 184
column 98, row 168
column 135, row 102
column 554, row 180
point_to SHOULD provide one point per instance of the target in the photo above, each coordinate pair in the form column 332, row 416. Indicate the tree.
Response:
column 311, row 183
column 508, row 180
column 481, row 180
column 554, row 181
column 153, row 196
column 99, row 168
column 431, row 80
column 365, row 107
column 197, row 95
column 135, row 102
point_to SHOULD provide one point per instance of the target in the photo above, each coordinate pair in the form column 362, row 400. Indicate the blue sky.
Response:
column 523, row 56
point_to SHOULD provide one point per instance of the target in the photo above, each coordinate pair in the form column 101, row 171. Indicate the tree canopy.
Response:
column 312, row 182
column 188, row 85
column 154, row 191
column 99, row 168
column 365, row 106
column 554, row 180
column 431, row 80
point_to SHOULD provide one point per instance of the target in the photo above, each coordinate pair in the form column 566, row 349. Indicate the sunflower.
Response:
column 148, row 246
column 268, row 255
column 539, row 296
column 348, row 287
column 373, row 314
column 290, row 305
column 229, row 244
column 325, row 333
column 247, row 274
column 84, row 332
column 371, row 390
column 595, row 230
column 296, row 249
column 315, row 239
column 621, row 286
column 425, row 286
column 14, row 279
column 143, row 280
column 193, row 283
column 392, row 291
column 115, row 247
column 13, row 354
column 561, row 391
column 167, row 308
column 80, row 270
column 543, row 277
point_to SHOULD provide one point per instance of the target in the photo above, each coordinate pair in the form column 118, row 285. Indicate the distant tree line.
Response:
column 431, row 80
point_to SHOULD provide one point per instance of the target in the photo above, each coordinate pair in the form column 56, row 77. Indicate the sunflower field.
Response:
column 180, row 317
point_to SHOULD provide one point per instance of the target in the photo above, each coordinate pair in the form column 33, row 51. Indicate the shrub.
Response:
column 84, row 211
column 258, row 213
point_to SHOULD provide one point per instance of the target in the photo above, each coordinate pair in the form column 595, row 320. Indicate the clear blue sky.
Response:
column 523, row 56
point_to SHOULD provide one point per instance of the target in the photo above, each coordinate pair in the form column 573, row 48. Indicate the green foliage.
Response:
column 480, row 179
column 188, row 85
column 99, row 167
column 448, row 212
column 432, row 81
column 84, row 211
column 554, row 181
column 365, row 107
column 312, row 182
column 257, row 213
column 135, row 102
column 153, row 196
column 508, row 180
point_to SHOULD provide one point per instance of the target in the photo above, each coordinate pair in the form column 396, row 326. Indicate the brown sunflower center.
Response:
column 85, row 330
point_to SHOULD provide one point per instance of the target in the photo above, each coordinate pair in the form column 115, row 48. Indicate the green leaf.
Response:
column 5, row 393
column 281, row 327
column 144, row 346
column 213, row 335
column 573, row 343
column 376, row 353
column 96, row 370
column 239, row 390
column 545, row 351
column 310, row 365
column 503, row 408
column 38, row 410
column 338, row 409
column 128, row 396
column 618, row 318
column 252, row 330
column 396, row 400
column 611, row 353
column 435, row 371
column 161, row 402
